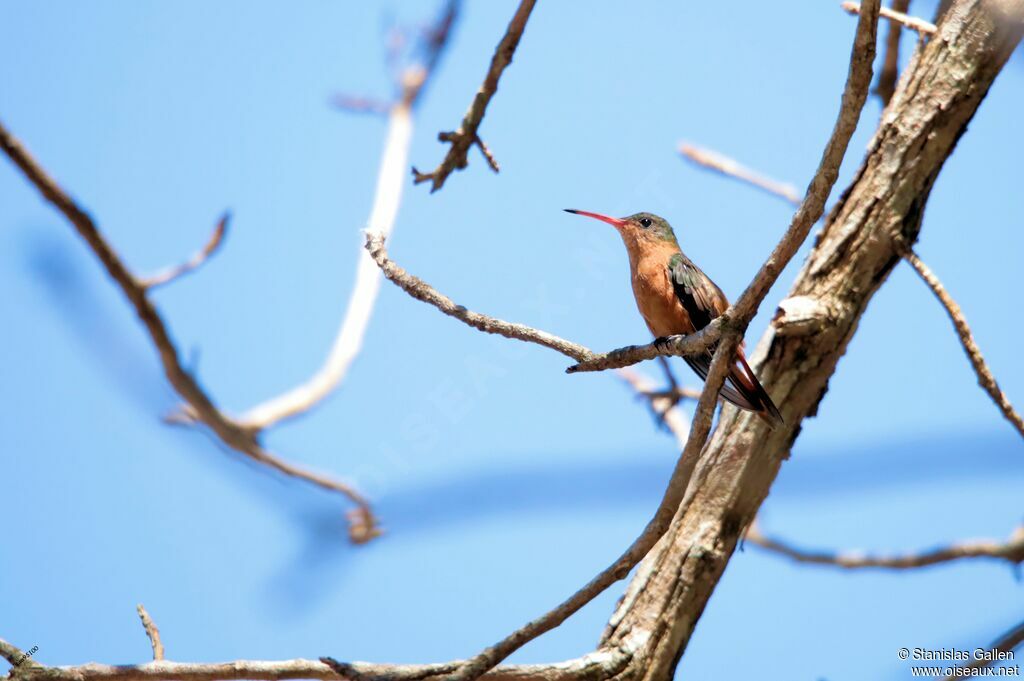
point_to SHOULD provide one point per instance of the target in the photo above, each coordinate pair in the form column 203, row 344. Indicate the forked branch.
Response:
column 463, row 139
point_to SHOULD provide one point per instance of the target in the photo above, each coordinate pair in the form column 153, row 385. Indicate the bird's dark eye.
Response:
column 645, row 222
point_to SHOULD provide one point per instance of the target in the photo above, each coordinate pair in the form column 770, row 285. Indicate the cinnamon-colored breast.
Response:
column 656, row 298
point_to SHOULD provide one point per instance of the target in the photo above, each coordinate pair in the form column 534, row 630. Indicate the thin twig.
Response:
column 887, row 77
column 348, row 341
column 151, row 631
column 1011, row 550
column 713, row 160
column 986, row 379
column 588, row 359
column 231, row 432
column 172, row 273
column 1006, row 643
column 913, row 23
column 467, row 135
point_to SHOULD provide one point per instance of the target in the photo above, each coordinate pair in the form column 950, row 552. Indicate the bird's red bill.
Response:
column 614, row 222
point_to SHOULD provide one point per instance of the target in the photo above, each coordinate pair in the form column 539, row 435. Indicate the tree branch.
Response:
column 587, row 358
column 1011, row 550
column 348, row 341
column 597, row 665
column 151, row 632
column 234, row 434
column 172, row 273
column 712, row 160
column 467, row 135
column 897, row 17
column 986, row 379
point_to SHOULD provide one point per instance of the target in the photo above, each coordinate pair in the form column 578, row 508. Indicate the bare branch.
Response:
column 1009, row 641
column 986, row 379
column 896, row 17
column 1012, row 550
column 588, row 360
column 348, row 341
column 169, row 274
column 152, row 632
column 12, row 653
column 712, row 160
column 603, row 664
column 201, row 406
column 467, row 135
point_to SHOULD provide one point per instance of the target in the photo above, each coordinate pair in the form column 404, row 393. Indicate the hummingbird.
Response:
column 675, row 297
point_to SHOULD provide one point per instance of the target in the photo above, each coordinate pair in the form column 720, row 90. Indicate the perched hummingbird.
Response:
column 675, row 297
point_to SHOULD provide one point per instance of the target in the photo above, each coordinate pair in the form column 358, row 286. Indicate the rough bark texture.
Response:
column 855, row 252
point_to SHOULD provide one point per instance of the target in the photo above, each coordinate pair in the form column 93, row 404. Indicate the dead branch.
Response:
column 172, row 273
column 986, row 379
column 234, row 434
column 467, row 135
column 1011, row 550
column 348, row 341
column 899, row 18
column 712, row 160
column 588, row 359
column 151, row 632
column 603, row 664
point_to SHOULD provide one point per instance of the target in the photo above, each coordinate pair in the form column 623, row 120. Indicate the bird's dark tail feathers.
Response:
column 741, row 388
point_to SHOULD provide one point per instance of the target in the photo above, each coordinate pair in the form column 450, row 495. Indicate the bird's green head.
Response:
column 637, row 228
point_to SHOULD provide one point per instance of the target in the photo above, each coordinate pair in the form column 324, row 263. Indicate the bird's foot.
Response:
column 662, row 342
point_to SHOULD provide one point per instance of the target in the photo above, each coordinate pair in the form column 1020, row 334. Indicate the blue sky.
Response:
column 503, row 483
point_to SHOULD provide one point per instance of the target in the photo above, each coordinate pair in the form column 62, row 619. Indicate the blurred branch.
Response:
column 387, row 199
column 1012, row 550
column 234, row 434
column 664, row 404
column 712, row 160
column 1006, row 643
column 588, row 360
column 152, row 632
column 170, row 274
column 897, row 17
column 986, row 379
column 467, row 135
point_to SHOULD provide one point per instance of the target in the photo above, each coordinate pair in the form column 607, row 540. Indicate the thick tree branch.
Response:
column 1011, row 550
column 856, row 251
column 986, row 379
column 603, row 664
column 467, row 135
column 234, row 434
